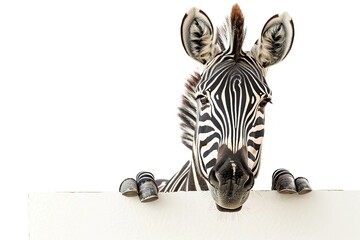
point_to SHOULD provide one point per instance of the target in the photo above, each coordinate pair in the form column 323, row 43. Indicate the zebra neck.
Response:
column 187, row 179
column 197, row 177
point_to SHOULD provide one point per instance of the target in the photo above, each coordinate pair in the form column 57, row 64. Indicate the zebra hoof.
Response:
column 129, row 187
column 283, row 182
column 302, row 185
column 148, row 190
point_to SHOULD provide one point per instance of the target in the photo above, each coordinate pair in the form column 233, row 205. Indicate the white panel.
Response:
column 266, row 215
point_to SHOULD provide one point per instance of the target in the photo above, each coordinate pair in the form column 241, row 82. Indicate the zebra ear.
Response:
column 276, row 40
column 197, row 35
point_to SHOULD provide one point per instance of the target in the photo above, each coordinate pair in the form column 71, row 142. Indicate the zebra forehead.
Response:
column 230, row 76
column 224, row 65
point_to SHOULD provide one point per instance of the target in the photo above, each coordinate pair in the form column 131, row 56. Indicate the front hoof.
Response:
column 302, row 185
column 148, row 190
column 129, row 188
column 283, row 182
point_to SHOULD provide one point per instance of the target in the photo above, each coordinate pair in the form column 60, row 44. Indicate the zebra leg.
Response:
column 283, row 182
column 129, row 187
column 144, row 186
column 302, row 185
column 161, row 184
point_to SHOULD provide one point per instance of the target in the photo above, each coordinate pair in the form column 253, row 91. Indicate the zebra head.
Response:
column 223, row 110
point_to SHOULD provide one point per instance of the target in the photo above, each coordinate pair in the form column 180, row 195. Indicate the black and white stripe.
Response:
column 225, row 104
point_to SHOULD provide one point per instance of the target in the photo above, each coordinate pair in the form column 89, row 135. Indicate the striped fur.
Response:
column 224, row 106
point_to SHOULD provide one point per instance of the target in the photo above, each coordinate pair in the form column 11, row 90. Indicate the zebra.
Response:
column 223, row 111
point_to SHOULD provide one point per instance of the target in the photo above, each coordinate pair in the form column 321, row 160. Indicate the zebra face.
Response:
column 230, row 96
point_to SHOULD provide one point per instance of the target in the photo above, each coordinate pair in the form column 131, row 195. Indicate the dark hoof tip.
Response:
column 129, row 188
column 130, row 193
column 283, row 182
column 302, row 185
column 148, row 191
column 221, row 209
column 149, row 198
column 287, row 191
column 305, row 191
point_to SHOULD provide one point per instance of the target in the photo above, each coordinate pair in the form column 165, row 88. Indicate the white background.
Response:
column 89, row 92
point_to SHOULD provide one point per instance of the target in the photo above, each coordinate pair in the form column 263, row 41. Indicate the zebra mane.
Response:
column 187, row 110
column 237, row 30
column 232, row 34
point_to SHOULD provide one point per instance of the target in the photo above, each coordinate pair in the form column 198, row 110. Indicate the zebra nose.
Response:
column 230, row 170
column 226, row 170
column 241, row 179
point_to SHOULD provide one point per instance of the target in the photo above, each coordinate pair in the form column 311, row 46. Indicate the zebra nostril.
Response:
column 213, row 179
column 249, row 183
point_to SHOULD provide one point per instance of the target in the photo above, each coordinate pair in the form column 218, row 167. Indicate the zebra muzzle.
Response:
column 231, row 167
column 230, row 179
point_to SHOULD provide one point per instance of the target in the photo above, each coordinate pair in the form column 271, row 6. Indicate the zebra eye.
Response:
column 264, row 102
column 203, row 99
